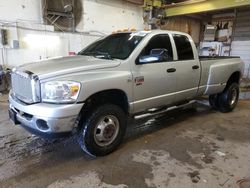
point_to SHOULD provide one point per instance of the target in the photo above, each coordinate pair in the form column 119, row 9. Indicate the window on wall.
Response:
column 183, row 46
column 159, row 42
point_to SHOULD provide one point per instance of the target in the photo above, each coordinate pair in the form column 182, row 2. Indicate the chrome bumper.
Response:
column 46, row 118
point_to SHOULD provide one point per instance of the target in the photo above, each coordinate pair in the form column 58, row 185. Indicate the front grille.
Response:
column 24, row 87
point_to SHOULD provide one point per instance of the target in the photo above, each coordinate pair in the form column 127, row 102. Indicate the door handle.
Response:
column 171, row 70
column 195, row 67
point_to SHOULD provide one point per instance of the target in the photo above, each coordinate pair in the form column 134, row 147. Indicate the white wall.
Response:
column 22, row 19
column 38, row 42
column 111, row 15
column 242, row 49
column 13, row 10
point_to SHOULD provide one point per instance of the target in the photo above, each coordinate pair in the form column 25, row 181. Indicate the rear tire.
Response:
column 228, row 99
column 103, row 130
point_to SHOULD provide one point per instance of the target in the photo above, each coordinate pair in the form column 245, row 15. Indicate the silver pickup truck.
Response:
column 115, row 77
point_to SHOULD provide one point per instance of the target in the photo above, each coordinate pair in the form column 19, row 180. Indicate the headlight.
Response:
column 60, row 91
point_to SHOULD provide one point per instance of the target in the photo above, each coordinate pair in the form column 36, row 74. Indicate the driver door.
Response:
column 154, row 82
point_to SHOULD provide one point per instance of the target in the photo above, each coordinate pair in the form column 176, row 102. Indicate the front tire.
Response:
column 213, row 101
column 103, row 130
column 228, row 99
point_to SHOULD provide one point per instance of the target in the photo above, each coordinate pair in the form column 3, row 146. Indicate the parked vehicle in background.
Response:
column 118, row 76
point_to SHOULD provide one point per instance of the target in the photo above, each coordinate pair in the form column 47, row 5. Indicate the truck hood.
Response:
column 66, row 65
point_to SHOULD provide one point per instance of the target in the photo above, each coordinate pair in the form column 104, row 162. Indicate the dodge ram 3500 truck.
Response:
column 113, row 78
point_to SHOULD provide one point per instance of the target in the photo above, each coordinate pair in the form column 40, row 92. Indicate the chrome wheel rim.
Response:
column 233, row 96
column 106, row 130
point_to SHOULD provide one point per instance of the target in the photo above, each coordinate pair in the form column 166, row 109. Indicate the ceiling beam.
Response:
column 198, row 6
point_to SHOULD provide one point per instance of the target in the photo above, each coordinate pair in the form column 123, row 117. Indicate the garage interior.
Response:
column 194, row 146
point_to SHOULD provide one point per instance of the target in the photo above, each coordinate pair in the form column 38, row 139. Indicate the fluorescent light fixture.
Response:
column 41, row 41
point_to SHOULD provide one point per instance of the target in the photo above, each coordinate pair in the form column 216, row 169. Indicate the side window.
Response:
column 183, row 47
column 159, row 42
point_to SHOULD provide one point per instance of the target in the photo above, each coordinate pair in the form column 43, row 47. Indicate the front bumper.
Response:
column 44, row 119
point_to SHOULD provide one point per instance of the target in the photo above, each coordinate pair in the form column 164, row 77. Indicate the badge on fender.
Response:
column 139, row 80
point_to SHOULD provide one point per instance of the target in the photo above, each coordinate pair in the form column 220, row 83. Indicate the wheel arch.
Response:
column 234, row 78
column 113, row 96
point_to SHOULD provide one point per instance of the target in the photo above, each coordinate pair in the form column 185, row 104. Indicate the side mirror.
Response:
column 156, row 55
column 148, row 59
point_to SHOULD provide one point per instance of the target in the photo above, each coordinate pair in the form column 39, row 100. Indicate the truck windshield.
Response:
column 118, row 46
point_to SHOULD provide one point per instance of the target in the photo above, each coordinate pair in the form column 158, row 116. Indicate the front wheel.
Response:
column 103, row 130
column 228, row 99
column 213, row 101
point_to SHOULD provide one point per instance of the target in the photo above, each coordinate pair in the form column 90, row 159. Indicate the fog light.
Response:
column 42, row 125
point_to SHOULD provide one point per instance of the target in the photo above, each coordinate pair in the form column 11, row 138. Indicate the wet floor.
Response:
column 192, row 147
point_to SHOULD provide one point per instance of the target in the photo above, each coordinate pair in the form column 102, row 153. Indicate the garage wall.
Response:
column 36, row 44
column 241, row 39
column 100, row 17
column 184, row 24
column 13, row 10
column 111, row 15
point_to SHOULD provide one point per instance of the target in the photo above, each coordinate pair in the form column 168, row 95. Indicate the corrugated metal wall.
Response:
column 242, row 26
column 241, row 39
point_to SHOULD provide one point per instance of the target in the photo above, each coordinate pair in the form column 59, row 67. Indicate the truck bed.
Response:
column 204, row 58
column 215, row 72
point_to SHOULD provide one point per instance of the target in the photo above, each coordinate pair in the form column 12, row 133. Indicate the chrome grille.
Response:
column 24, row 87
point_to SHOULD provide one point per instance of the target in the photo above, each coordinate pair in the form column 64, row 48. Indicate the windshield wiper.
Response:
column 104, row 55
column 98, row 54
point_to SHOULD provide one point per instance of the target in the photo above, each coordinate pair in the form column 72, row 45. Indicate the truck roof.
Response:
column 156, row 31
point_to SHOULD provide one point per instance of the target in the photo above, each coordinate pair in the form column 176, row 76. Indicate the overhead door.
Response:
column 241, row 39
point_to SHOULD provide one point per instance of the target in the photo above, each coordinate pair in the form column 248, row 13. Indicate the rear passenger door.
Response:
column 187, row 68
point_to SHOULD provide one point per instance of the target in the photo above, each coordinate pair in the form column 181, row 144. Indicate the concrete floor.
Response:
column 194, row 147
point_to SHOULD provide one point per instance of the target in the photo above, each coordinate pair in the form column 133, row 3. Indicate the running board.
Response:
column 156, row 112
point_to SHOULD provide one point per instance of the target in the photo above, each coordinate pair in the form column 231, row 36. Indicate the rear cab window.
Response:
column 183, row 47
